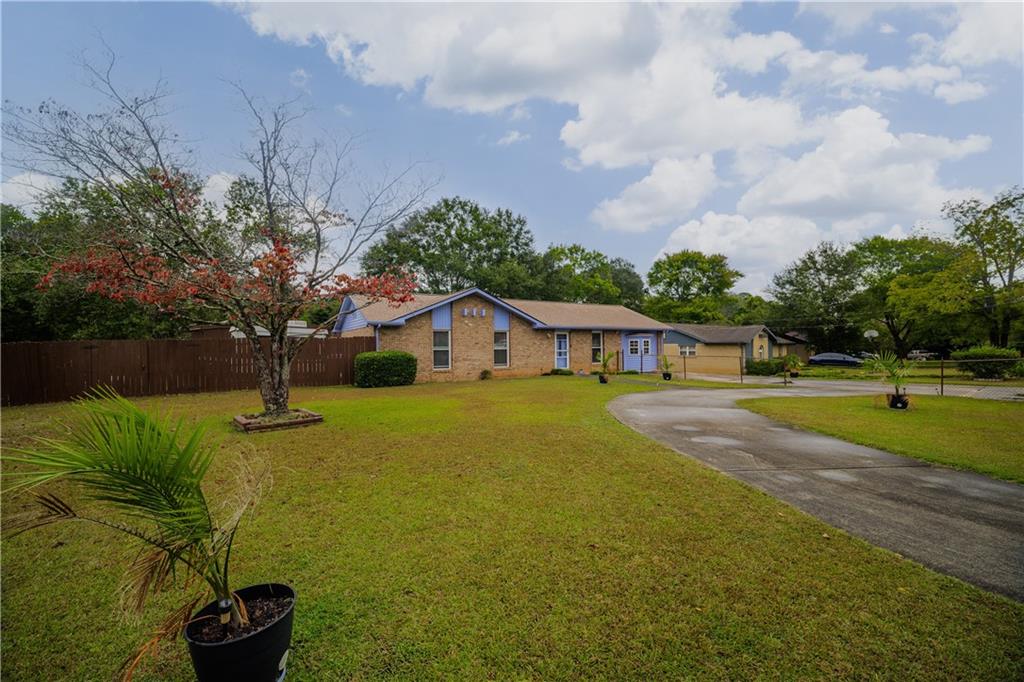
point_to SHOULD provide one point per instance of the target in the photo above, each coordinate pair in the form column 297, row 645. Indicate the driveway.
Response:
column 956, row 522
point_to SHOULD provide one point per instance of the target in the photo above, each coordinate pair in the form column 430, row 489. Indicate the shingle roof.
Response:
column 585, row 315
column 714, row 333
column 551, row 313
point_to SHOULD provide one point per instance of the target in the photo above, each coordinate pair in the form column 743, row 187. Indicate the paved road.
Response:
column 960, row 523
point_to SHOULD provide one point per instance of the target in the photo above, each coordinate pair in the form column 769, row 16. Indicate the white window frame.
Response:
column 506, row 348
column 568, row 356
column 646, row 345
column 599, row 348
column 634, row 346
column 688, row 351
column 435, row 348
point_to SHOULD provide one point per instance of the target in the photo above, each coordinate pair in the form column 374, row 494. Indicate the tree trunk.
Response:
column 273, row 370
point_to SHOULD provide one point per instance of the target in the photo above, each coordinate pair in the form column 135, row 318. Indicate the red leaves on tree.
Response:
column 271, row 285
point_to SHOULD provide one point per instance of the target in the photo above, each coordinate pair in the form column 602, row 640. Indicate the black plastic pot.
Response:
column 258, row 657
column 667, row 376
column 898, row 402
column 794, row 374
column 603, row 378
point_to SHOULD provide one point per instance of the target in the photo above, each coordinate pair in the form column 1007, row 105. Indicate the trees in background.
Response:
column 456, row 243
column 817, row 295
column 690, row 286
column 287, row 228
column 990, row 283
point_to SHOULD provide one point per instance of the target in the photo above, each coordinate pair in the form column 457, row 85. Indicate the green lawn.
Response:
column 514, row 529
column 967, row 433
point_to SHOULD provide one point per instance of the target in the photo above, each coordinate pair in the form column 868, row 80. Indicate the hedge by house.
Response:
column 986, row 362
column 385, row 368
column 764, row 368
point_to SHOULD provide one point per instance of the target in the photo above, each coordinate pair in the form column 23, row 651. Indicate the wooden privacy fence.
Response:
column 40, row 372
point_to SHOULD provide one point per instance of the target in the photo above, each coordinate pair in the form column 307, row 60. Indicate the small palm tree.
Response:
column 891, row 370
column 144, row 477
column 606, row 361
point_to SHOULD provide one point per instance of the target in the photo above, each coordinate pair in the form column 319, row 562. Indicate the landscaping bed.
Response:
column 966, row 433
column 512, row 529
column 250, row 423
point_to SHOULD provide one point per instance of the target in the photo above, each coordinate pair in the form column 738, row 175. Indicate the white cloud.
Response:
column 986, row 32
column 960, row 91
column 756, row 247
column 300, row 78
column 860, row 167
column 343, row 109
column 512, row 137
column 24, row 190
column 846, row 17
column 887, row 29
column 849, row 74
column 673, row 188
column 216, row 188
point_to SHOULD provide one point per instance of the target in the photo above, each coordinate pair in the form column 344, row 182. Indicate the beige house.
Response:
column 722, row 349
column 457, row 336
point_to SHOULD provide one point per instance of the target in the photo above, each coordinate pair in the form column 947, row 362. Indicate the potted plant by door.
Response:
column 893, row 371
column 666, row 368
column 606, row 360
column 143, row 476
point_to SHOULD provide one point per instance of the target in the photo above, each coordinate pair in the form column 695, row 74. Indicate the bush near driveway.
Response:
column 512, row 530
column 986, row 362
column 385, row 368
column 764, row 368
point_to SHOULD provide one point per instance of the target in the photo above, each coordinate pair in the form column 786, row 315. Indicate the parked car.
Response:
column 835, row 359
column 921, row 355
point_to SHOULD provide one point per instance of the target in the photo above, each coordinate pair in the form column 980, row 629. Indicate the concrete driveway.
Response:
column 956, row 522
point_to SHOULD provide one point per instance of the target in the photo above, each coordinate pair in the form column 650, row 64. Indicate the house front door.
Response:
column 561, row 350
column 640, row 352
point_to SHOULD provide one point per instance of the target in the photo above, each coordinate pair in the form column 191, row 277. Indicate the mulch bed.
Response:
column 262, row 611
column 294, row 418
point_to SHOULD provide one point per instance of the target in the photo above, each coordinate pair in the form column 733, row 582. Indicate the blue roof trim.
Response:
column 400, row 321
column 349, row 317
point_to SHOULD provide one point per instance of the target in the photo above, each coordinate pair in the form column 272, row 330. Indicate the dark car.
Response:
column 835, row 359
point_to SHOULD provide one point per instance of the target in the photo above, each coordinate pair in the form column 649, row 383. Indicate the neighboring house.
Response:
column 721, row 349
column 456, row 336
column 223, row 330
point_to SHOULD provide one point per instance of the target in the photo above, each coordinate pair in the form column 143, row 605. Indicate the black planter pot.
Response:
column 667, row 376
column 794, row 375
column 258, row 657
column 898, row 402
column 603, row 378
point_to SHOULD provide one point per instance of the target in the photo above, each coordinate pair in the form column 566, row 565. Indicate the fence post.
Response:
column 942, row 377
column 741, row 369
column 684, row 368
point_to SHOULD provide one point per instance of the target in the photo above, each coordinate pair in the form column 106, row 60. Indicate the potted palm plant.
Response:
column 893, row 371
column 606, row 360
column 792, row 364
column 142, row 476
column 666, row 368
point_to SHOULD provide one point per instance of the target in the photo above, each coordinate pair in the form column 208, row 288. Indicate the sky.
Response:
column 755, row 130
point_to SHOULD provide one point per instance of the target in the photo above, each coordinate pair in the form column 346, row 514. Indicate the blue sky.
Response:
column 755, row 130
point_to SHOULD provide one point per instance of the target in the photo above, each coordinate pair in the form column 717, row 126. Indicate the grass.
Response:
column 513, row 529
column 966, row 433
column 922, row 373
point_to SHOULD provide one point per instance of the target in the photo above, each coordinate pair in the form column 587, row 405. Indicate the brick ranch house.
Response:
column 456, row 336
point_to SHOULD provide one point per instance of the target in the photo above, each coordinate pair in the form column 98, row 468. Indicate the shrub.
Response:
column 764, row 368
column 485, row 374
column 629, row 371
column 558, row 372
column 986, row 362
column 385, row 368
column 1017, row 371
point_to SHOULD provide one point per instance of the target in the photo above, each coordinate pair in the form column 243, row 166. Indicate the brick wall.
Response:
column 531, row 351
